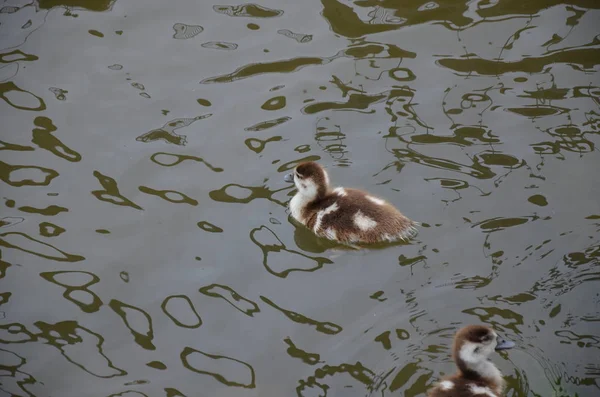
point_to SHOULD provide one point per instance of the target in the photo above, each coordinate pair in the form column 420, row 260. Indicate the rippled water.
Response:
column 146, row 247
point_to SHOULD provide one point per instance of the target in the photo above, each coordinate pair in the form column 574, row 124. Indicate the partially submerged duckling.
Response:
column 476, row 376
column 345, row 215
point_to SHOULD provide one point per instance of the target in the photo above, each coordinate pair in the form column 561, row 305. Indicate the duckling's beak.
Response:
column 504, row 344
column 289, row 178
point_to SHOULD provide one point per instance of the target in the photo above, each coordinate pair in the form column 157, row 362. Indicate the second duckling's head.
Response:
column 474, row 344
column 310, row 179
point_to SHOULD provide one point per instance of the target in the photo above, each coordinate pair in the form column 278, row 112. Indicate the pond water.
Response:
column 146, row 245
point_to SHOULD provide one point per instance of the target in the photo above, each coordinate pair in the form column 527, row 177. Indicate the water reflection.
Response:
column 21, row 99
column 481, row 115
column 44, row 139
column 48, row 229
column 87, row 300
column 26, row 175
column 242, row 304
column 191, row 319
column 25, row 243
column 167, row 132
column 183, row 31
column 236, row 373
column 137, row 321
column 281, row 261
column 80, row 346
column 325, row 327
column 111, row 193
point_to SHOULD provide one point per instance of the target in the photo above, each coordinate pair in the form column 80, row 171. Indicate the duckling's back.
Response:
column 351, row 216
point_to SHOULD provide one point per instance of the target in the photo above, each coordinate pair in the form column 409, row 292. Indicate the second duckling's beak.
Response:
column 289, row 178
column 504, row 344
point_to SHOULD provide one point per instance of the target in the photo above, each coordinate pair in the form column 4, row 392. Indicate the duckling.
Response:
column 476, row 376
column 349, row 216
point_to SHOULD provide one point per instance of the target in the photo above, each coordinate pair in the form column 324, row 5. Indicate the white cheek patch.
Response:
column 363, row 222
column 482, row 391
column 467, row 353
column 340, row 191
column 332, row 208
column 446, row 385
column 375, row 200
column 307, row 187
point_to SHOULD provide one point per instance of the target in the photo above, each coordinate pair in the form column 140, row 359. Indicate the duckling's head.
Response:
column 310, row 179
column 474, row 344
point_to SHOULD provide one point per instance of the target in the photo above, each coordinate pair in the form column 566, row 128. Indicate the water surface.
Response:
column 146, row 247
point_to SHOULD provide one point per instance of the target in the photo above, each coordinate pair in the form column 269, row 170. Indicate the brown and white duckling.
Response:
column 476, row 376
column 346, row 215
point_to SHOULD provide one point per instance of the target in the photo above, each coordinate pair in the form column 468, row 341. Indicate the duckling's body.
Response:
column 476, row 376
column 342, row 214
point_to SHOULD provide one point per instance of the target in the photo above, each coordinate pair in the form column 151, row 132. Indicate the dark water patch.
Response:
column 26, row 175
column 91, row 5
column 240, row 374
column 226, row 293
column 295, row 352
column 181, row 310
column 172, row 159
column 325, row 327
column 183, row 31
column 50, row 210
column 247, row 10
column 17, row 56
column 220, row 45
column 538, row 200
column 284, row 66
column 586, row 58
column 209, row 227
column 171, row 196
column 48, row 229
column 75, row 284
column 258, row 145
column 9, row 221
column 111, row 193
column 235, row 193
column 274, row 103
column 15, row 147
column 167, row 132
column 354, row 102
column 157, row 365
column 264, row 125
column 44, row 139
column 75, row 343
column 281, row 261
column 23, row 242
column 137, row 321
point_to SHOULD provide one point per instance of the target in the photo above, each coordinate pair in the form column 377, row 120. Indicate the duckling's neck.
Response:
column 308, row 192
column 483, row 369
